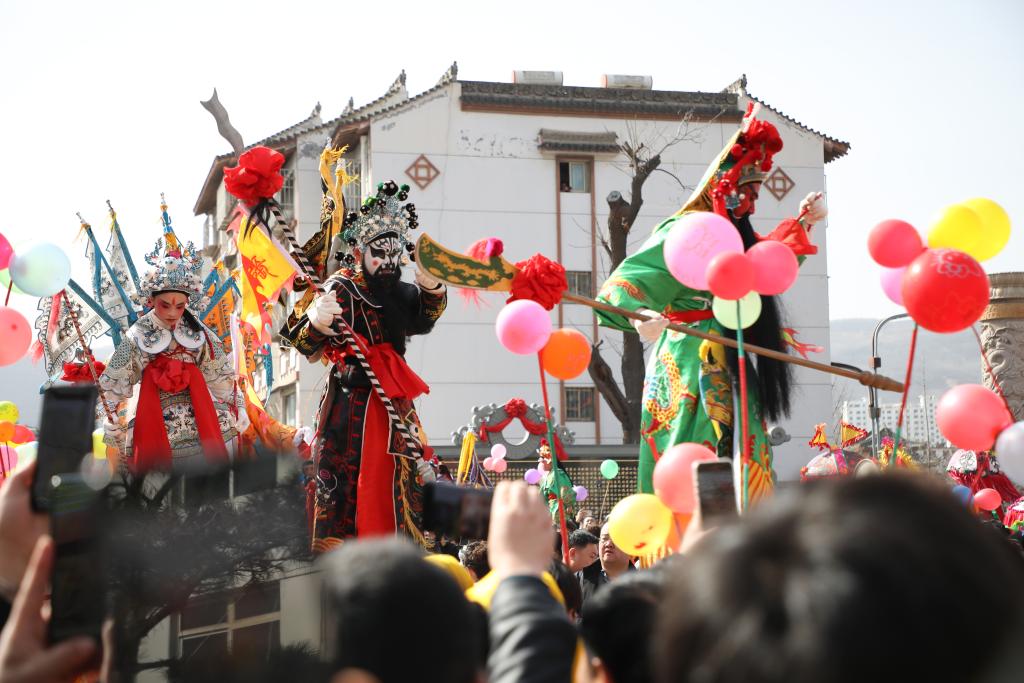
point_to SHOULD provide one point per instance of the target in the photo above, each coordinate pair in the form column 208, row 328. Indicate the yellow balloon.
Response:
column 995, row 227
column 99, row 449
column 639, row 524
column 8, row 411
column 956, row 227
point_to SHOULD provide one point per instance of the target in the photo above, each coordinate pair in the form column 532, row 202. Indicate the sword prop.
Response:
column 496, row 275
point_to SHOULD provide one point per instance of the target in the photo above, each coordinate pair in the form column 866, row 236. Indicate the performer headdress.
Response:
column 381, row 214
column 178, row 269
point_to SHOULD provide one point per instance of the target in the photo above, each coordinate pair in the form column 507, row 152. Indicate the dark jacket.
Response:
column 532, row 640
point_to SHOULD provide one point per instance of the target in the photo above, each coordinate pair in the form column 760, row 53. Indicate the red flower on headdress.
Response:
column 539, row 279
column 257, row 176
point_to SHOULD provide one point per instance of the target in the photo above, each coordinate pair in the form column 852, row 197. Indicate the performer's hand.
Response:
column 426, row 471
column 322, row 311
column 427, row 281
column 814, row 204
column 519, row 539
column 20, row 528
column 650, row 330
column 303, row 435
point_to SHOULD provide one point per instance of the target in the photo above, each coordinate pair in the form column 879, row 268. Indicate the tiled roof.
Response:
column 571, row 141
column 605, row 102
column 833, row 148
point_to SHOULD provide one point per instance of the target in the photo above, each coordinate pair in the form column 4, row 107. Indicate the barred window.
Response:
column 244, row 622
column 580, row 282
column 286, row 196
column 579, row 404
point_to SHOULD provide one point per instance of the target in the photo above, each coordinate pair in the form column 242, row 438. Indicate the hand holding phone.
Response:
column 456, row 511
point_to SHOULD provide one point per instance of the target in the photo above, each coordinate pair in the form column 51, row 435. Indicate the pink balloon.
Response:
column 488, row 463
column 892, row 283
column 775, row 267
column 694, row 239
column 6, row 251
column 987, row 500
column 9, row 460
column 673, row 475
column 523, row 327
column 894, row 243
column 730, row 275
column 532, row 476
column 971, row 416
column 499, row 466
column 15, row 336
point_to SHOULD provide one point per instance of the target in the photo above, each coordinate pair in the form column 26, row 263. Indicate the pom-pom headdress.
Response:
column 386, row 213
column 176, row 267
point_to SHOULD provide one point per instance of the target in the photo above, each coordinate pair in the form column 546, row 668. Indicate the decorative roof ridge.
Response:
column 839, row 147
column 449, row 76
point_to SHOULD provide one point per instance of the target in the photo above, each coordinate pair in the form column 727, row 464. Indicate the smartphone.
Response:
column 716, row 491
column 78, row 590
column 65, row 437
column 457, row 511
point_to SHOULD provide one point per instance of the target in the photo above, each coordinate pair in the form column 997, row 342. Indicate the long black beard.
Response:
column 395, row 316
column 773, row 378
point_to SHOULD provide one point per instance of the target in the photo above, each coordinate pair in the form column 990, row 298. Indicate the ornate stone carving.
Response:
column 1002, row 336
column 493, row 414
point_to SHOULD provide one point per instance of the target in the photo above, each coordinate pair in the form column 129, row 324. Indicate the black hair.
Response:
column 617, row 624
column 384, row 593
column 772, row 378
column 474, row 556
column 581, row 538
column 892, row 558
column 569, row 586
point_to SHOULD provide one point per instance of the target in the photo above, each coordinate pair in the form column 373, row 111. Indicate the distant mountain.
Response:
column 941, row 360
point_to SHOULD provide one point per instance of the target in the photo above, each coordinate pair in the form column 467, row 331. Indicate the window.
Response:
column 579, row 404
column 580, row 282
column 288, row 408
column 574, row 176
column 350, row 193
column 245, row 622
column 286, row 196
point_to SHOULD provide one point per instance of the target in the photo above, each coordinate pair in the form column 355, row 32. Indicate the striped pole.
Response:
column 347, row 334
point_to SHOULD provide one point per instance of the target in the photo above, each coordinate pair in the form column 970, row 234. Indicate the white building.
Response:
column 918, row 420
column 532, row 163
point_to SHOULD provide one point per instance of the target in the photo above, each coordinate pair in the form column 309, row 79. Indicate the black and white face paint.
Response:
column 382, row 256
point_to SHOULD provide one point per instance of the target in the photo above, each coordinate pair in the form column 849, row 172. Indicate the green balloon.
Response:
column 726, row 313
column 609, row 469
column 5, row 282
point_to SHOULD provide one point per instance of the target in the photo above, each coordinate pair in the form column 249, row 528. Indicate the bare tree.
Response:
column 641, row 159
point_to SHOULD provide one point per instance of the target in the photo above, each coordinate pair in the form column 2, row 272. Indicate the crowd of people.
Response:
column 879, row 578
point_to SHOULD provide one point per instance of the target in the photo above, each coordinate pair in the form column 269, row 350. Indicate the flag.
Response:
column 851, row 434
column 266, row 270
column 820, row 438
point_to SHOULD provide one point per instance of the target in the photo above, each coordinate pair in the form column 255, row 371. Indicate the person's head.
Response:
column 748, row 195
column 775, row 597
column 308, row 469
column 593, row 528
column 582, row 514
column 385, row 595
column 382, row 259
column 473, row 557
column 613, row 560
column 169, row 307
column 569, row 586
column 582, row 550
column 617, row 625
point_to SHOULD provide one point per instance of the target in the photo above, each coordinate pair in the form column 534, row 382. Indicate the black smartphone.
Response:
column 456, row 511
column 65, row 438
column 78, row 581
column 716, row 491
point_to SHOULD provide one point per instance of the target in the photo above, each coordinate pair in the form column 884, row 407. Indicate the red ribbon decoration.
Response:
column 257, row 176
column 515, row 409
column 151, row 446
column 79, row 372
column 539, row 279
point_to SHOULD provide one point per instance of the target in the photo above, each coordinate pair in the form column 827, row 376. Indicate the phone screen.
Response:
column 457, row 511
column 65, row 437
column 716, row 491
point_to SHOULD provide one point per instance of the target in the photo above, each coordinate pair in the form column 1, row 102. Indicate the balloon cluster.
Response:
column 524, row 327
column 17, row 442
column 642, row 523
column 704, row 251
column 942, row 285
column 975, row 418
column 495, row 462
column 39, row 270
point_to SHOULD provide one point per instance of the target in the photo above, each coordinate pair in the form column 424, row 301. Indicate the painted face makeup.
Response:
column 169, row 307
column 382, row 256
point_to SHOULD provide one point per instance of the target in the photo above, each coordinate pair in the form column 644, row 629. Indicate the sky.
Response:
column 100, row 100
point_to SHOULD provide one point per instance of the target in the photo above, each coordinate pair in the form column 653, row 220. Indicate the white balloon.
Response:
column 498, row 451
column 1010, row 451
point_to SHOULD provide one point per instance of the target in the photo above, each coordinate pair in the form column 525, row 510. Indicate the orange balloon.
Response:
column 6, row 431
column 566, row 355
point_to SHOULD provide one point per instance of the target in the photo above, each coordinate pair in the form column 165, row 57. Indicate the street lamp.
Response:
column 876, row 362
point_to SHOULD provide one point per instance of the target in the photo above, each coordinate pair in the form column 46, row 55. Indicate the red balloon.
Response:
column 987, row 500
column 23, row 434
column 894, row 243
column 945, row 290
column 971, row 416
column 730, row 275
column 15, row 336
column 673, row 475
column 775, row 267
